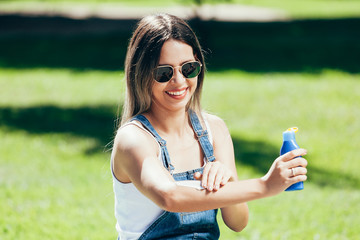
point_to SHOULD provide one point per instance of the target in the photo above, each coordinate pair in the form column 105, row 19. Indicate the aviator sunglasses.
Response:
column 163, row 74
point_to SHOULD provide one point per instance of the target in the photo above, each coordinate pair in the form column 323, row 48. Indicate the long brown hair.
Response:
column 143, row 56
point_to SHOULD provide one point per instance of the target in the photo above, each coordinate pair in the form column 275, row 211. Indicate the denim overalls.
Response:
column 194, row 225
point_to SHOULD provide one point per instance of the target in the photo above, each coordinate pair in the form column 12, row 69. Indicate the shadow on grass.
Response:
column 260, row 155
column 291, row 46
column 98, row 122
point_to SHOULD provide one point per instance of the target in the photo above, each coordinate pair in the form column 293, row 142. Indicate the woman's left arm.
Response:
column 222, row 170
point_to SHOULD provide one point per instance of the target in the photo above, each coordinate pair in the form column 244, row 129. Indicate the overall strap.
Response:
column 165, row 154
column 203, row 136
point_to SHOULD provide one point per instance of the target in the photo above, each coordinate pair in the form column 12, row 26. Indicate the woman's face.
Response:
column 176, row 93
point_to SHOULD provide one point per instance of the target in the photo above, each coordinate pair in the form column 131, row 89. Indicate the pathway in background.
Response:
column 220, row 12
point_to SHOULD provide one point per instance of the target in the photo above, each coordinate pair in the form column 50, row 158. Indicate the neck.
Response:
column 168, row 122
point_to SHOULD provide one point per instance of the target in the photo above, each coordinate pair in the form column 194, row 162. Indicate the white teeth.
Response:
column 177, row 93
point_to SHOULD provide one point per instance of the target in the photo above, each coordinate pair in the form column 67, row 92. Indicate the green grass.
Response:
column 257, row 108
column 55, row 181
column 54, row 174
column 310, row 8
column 294, row 8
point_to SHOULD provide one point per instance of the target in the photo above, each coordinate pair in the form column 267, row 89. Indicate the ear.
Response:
column 196, row 57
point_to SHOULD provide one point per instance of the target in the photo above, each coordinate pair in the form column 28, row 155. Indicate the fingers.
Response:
column 297, row 171
column 297, row 166
column 296, row 179
column 215, row 175
column 299, row 161
column 286, row 170
column 217, row 178
column 226, row 178
column 209, row 174
column 293, row 154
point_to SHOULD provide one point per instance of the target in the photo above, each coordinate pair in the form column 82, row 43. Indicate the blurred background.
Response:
column 271, row 65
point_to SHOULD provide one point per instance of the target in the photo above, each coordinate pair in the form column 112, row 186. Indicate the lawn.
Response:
column 304, row 9
column 56, row 127
column 61, row 83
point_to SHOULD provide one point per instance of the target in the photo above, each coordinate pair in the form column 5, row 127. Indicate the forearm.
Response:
column 186, row 199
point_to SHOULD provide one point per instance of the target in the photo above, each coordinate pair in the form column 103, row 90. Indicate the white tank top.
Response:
column 134, row 212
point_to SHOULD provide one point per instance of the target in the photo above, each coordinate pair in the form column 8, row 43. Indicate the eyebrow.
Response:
column 178, row 65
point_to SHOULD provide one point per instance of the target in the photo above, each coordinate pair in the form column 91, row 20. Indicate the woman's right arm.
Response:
column 135, row 159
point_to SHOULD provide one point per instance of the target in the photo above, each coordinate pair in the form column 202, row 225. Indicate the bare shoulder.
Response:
column 132, row 137
column 131, row 146
column 221, row 136
column 222, row 141
column 217, row 124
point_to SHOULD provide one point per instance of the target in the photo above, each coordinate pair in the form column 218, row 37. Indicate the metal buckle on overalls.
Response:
column 171, row 169
column 203, row 133
column 211, row 158
column 162, row 143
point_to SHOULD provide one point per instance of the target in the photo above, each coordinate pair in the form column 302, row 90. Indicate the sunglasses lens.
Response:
column 191, row 69
column 163, row 74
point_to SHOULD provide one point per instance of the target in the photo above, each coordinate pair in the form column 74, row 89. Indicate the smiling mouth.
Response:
column 177, row 93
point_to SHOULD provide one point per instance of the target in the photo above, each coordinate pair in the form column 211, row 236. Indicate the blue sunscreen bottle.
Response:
column 289, row 144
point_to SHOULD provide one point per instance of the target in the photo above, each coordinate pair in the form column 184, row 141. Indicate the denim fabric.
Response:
column 194, row 225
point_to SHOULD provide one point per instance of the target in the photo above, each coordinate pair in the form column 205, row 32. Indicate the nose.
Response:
column 178, row 77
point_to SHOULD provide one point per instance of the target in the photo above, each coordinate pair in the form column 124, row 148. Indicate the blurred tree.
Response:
column 199, row 3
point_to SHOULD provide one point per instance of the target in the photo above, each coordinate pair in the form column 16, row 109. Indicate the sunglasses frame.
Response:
column 173, row 69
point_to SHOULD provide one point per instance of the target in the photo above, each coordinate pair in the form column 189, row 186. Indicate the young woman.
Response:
column 173, row 165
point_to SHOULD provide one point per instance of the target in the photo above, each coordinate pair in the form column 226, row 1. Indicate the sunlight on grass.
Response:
column 60, row 87
column 296, row 9
column 310, row 8
column 323, row 106
column 49, row 187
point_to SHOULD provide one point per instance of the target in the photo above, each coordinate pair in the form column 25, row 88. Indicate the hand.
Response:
column 286, row 170
column 215, row 175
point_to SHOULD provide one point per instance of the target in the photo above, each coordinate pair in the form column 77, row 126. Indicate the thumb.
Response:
column 197, row 175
